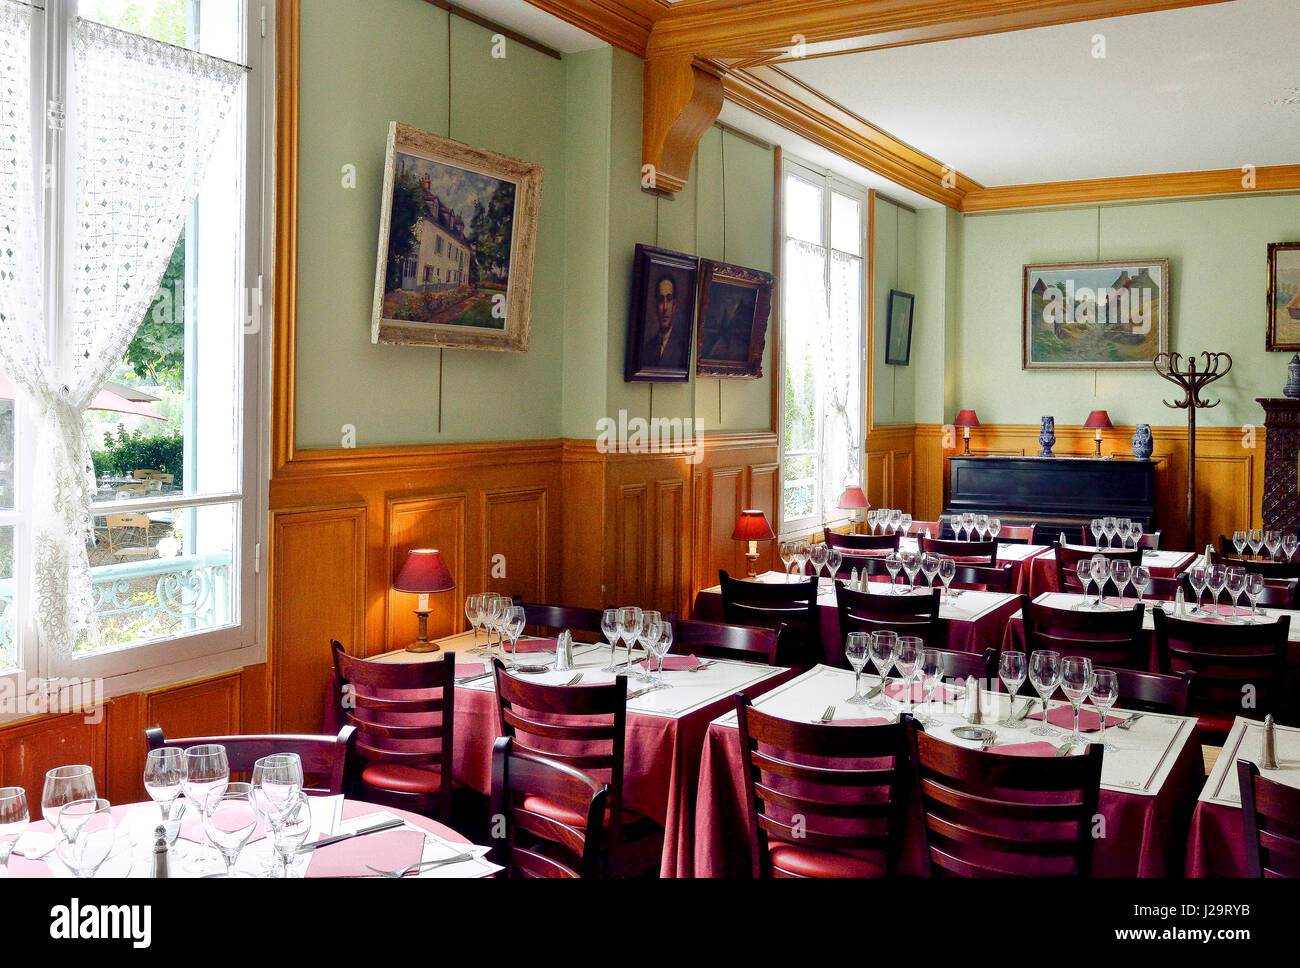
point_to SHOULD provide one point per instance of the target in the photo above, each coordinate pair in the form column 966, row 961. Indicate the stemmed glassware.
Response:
column 1141, row 580
column 787, row 556
column 1084, row 570
column 906, row 523
column 1197, row 576
column 895, row 520
column 1272, row 541
column 1122, row 527
column 277, row 781
column 1218, row 577
column 817, row 558
column 873, row 516
column 14, row 817
column 630, row 626
column 1011, row 670
column 1121, row 571
column 907, row 655
column 968, row 525
column 1290, row 543
column 207, row 772
column 1095, row 526
column 995, row 527
column 652, row 627
column 64, row 785
column 473, row 615
column 1105, row 693
column 229, row 820
column 1240, row 542
column 982, row 526
column 834, row 558
column 1135, row 532
column 1255, row 538
column 931, row 668
column 1044, row 676
column 857, row 651
column 929, row 567
column 947, row 572
column 884, row 652
column 291, row 831
column 609, row 627
column 911, row 561
column 1100, row 574
column 801, row 551
column 1254, row 591
column 1076, row 683
column 893, row 563
column 86, row 835
column 1235, row 583
column 1108, row 527
column 513, row 621
column 164, row 772
column 661, row 647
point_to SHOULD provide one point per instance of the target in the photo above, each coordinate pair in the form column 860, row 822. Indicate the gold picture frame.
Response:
column 1283, row 330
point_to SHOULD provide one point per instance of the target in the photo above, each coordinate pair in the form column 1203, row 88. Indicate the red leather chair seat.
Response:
column 404, row 779
column 810, row 862
column 562, row 814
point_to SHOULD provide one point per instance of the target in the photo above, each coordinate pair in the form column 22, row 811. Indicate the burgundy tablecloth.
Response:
column 1216, row 844
column 985, row 632
column 1042, row 573
column 1145, row 835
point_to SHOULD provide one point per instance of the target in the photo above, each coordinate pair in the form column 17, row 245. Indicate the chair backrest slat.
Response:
column 1068, row 558
column 905, row 614
column 880, row 543
column 767, row 605
column 720, row 641
column 1270, row 817
column 1108, row 638
column 968, row 552
column 323, row 757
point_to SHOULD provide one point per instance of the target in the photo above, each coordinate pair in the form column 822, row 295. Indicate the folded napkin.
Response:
column 1089, row 720
column 877, row 721
column 675, row 663
column 388, row 850
column 464, row 669
column 530, row 645
column 1025, row 749
column 898, row 690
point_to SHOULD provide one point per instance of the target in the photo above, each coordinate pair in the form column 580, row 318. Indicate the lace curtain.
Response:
column 143, row 119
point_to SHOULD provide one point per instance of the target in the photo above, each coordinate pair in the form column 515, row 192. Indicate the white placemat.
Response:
column 1246, row 742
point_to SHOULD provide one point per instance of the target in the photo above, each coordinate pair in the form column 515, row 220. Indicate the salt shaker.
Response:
column 1269, row 760
column 160, row 852
column 564, row 652
column 1179, row 605
column 973, row 714
column 853, row 579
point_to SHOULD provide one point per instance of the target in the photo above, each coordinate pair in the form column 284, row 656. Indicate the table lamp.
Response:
column 966, row 419
column 423, row 573
column 1098, row 421
column 752, row 526
column 854, row 500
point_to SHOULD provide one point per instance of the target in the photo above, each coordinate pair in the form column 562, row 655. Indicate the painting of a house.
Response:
column 1095, row 315
column 1283, row 331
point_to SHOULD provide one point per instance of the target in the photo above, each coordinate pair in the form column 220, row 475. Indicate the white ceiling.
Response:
column 528, row 20
column 1194, row 89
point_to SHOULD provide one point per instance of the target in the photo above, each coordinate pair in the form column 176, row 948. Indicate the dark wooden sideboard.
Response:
column 1057, row 492
column 1281, row 506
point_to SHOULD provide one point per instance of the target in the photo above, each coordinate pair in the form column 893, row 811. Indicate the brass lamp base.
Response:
column 422, row 644
column 751, row 562
column 1097, row 452
column 966, row 442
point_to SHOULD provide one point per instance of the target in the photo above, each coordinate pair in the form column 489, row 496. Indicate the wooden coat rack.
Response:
column 1192, row 381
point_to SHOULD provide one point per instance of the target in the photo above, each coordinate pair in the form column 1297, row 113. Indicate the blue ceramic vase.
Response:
column 1292, row 388
column 1142, row 442
column 1047, row 436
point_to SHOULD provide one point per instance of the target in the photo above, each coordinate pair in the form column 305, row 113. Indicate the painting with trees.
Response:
column 458, row 229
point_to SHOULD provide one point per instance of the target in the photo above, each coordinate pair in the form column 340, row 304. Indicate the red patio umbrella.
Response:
column 105, row 400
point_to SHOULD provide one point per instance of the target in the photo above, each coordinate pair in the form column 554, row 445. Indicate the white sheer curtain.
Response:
column 143, row 118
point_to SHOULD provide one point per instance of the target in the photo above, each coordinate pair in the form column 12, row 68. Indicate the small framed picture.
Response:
column 898, row 331
column 661, row 316
column 1283, row 296
column 735, row 303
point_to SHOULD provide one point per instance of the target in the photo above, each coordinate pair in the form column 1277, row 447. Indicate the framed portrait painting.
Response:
column 735, row 304
column 457, row 232
column 1095, row 315
column 898, row 329
column 661, row 316
column 1283, row 296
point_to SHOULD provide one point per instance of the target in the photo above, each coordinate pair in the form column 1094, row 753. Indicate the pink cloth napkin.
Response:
column 469, row 669
column 192, row 830
column 877, row 721
column 1089, row 721
column 1025, row 749
column 676, row 663
column 531, row 645
column 897, row 690
column 388, row 850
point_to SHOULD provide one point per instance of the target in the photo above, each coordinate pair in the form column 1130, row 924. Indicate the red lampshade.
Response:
column 752, row 526
column 853, row 498
column 1098, row 419
column 966, row 418
column 424, row 572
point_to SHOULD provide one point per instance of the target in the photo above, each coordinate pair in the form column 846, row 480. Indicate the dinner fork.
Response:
column 575, row 680
column 1128, row 723
column 422, row 866
column 828, row 715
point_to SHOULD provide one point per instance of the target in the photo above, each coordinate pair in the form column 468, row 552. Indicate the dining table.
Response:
column 972, row 620
column 418, row 838
column 1042, row 575
column 1216, row 843
column 1148, row 786
column 664, row 732
column 1017, row 554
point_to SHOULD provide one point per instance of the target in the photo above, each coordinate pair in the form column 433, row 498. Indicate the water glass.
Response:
column 857, row 651
column 1076, row 683
column 1135, row 532
column 1012, row 671
column 931, row 669
column 1197, row 576
column 87, row 836
column 64, row 785
column 661, row 649
column 14, row 818
column 1105, row 693
column 1254, row 591
column 1218, row 577
column 609, row 627
column 893, row 563
column 1044, row 676
column 1235, row 584
column 652, row 628
column 905, row 660
column 1100, row 565
column 817, row 558
column 884, row 651
column 834, row 558
column 229, row 820
column 1141, row 580
column 995, row 526
column 207, row 771
column 291, row 832
column 787, row 556
column 473, row 606
column 1290, row 543
column 1095, row 527
column 930, row 567
column 1084, row 570
column 1239, row 542
column 164, row 772
column 1255, row 537
column 1272, row 541
column 1121, row 571
column 947, row 572
column 911, row 561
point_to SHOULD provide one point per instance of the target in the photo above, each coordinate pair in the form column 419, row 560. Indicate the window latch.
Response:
column 55, row 115
column 253, row 317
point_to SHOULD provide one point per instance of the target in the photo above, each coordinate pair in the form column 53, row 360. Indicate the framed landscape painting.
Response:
column 1283, row 296
column 1096, row 315
column 457, row 232
column 735, row 304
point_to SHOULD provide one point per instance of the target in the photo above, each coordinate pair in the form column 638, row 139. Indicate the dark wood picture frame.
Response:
column 732, row 347
column 1290, row 339
column 644, row 361
column 897, row 298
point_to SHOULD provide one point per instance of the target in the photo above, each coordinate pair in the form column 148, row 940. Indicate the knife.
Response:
column 376, row 828
column 1025, row 711
column 1064, row 750
column 1131, row 720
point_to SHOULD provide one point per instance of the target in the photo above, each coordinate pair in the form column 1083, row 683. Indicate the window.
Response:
column 822, row 325
column 174, row 434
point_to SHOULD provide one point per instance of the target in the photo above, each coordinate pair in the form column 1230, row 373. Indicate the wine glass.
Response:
column 884, row 651
column 893, row 563
column 652, row 627
column 911, row 561
column 1100, row 565
column 14, row 818
column 857, row 651
column 1272, row 541
column 907, row 524
column 834, row 558
column 1084, row 570
column 1234, row 583
column 817, row 558
column 1108, row 527
column 1135, row 532
column 1044, row 676
column 1196, row 577
column 1217, row 579
column 277, row 781
column 609, row 627
column 64, row 785
column 164, row 772
column 629, row 628
column 1076, row 683
column 1255, row 537
column 929, row 567
column 1011, row 670
column 873, row 515
column 1254, row 591
column 86, row 835
column 1121, row 570
column 968, row 524
column 207, row 771
column 895, row 520
column 1105, row 693
column 931, row 667
column 1239, row 542
column 982, row 526
column 1122, row 532
column 801, row 556
column 291, row 831
column 513, row 621
column 1141, row 580
column 472, row 605
column 229, row 820
column 905, row 660
column 1095, row 527
column 491, row 607
column 995, row 526
column 661, row 647
column 947, row 572
column 787, row 556
column 1290, row 543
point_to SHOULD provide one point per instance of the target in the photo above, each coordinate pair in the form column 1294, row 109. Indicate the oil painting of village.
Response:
column 1283, row 296
column 457, row 234
column 1096, row 315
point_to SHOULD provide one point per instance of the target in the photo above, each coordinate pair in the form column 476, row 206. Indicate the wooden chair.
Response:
column 984, row 578
column 128, row 537
column 970, row 552
column 1230, row 662
column 1271, row 570
column 820, row 797
column 968, row 665
column 719, row 641
column 404, row 715
column 584, row 728
column 520, row 778
column 1108, row 638
column 323, row 757
column 995, row 815
column 1019, row 533
column 1270, row 818
column 1277, row 593
column 905, row 614
column 584, row 623
column 1151, row 692
column 880, row 543
column 1149, row 541
column 1068, row 558
column 871, row 564
column 792, row 604
column 146, row 475
column 919, row 528
column 128, row 492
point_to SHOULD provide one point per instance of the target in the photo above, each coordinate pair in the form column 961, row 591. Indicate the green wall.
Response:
column 580, row 119
column 893, row 388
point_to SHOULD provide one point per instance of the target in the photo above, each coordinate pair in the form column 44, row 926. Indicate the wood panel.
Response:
column 629, row 579
column 28, row 750
column 428, row 522
column 318, row 591
column 514, row 549
column 889, row 470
